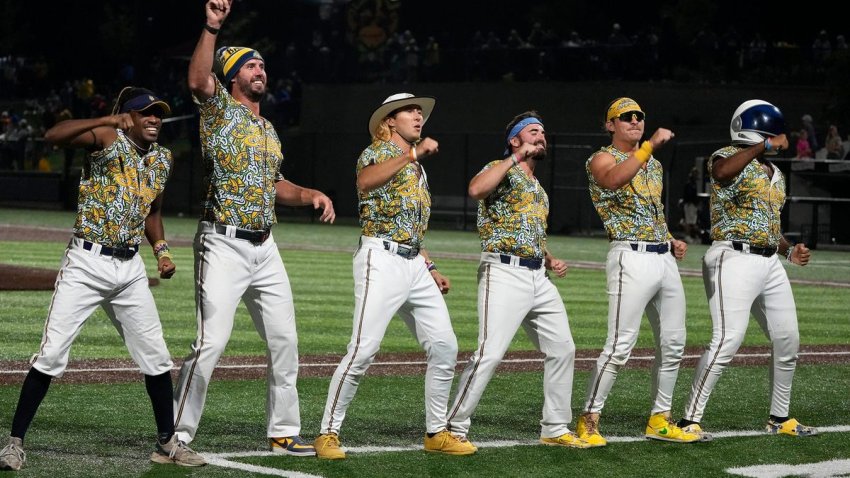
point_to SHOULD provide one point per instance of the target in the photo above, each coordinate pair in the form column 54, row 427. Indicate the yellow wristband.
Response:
column 165, row 254
column 645, row 152
column 413, row 156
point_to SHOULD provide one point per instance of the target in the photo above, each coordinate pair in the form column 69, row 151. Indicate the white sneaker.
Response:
column 12, row 457
column 177, row 452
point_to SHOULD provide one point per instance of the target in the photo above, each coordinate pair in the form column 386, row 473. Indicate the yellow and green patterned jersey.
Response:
column 398, row 210
column 747, row 209
column 242, row 157
column 512, row 219
column 116, row 191
column 634, row 212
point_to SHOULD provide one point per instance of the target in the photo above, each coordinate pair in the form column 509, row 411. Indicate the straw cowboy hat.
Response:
column 400, row 100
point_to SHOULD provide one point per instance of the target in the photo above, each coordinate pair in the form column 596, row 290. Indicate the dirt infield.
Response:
column 253, row 368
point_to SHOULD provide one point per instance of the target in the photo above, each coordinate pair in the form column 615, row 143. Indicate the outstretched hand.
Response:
column 321, row 201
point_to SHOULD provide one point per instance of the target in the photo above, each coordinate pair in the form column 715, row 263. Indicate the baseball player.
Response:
column 625, row 187
column 119, row 202
column 236, row 256
column 741, row 269
column 392, row 273
column 513, row 286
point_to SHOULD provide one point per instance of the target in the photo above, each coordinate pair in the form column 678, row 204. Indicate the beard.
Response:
column 250, row 93
column 540, row 156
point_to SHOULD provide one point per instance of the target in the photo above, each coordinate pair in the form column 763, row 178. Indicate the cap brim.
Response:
column 425, row 102
column 157, row 104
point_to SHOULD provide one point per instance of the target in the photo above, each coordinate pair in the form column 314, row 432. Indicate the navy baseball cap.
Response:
column 141, row 99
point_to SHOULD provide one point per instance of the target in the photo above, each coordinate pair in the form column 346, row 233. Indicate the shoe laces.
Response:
column 591, row 426
column 180, row 447
column 14, row 450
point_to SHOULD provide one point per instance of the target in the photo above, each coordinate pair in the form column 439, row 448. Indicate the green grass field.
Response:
column 106, row 429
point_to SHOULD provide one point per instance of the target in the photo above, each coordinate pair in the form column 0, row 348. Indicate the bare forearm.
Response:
column 483, row 184
column 290, row 194
column 376, row 175
column 621, row 174
column 154, row 230
column 66, row 132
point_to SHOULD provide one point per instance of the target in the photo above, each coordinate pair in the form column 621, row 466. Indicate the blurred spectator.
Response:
column 809, row 126
column 431, row 60
column 834, row 145
column 411, row 58
column 574, row 41
column 821, row 51
column 690, row 209
column 804, row 148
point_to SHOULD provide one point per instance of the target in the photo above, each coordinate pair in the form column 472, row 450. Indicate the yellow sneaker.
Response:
column 790, row 427
column 569, row 440
column 698, row 431
column 660, row 427
column 445, row 442
column 327, row 447
column 294, row 446
column 587, row 428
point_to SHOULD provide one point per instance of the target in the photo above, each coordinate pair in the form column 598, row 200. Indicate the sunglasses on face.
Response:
column 629, row 115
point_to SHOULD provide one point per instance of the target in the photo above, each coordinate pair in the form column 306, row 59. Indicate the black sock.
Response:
column 32, row 393
column 683, row 423
column 161, row 394
column 779, row 419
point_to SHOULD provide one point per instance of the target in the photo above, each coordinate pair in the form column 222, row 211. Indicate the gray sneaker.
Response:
column 12, row 457
column 175, row 451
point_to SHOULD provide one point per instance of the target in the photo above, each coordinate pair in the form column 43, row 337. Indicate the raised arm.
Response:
column 610, row 175
column 201, row 81
column 96, row 133
column 376, row 175
column 488, row 180
column 724, row 170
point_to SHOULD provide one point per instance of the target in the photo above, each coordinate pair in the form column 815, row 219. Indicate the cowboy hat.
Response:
column 400, row 100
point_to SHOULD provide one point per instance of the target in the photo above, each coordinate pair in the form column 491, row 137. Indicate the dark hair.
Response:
column 518, row 118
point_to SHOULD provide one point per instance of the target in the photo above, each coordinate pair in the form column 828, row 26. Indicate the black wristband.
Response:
column 210, row 29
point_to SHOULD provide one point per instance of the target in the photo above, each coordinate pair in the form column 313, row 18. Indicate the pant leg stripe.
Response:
column 466, row 386
column 50, row 308
column 698, row 393
column 598, row 380
column 356, row 342
column 199, row 300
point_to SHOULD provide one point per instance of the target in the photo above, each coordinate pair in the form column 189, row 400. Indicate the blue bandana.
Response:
column 517, row 128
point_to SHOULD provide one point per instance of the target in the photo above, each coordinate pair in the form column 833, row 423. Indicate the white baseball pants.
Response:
column 638, row 282
column 738, row 283
column 386, row 283
column 87, row 280
column 510, row 296
column 228, row 269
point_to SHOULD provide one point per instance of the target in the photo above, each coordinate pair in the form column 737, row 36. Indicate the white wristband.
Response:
column 788, row 253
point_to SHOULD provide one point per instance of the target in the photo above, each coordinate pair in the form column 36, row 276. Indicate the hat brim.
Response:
column 157, row 104
column 425, row 102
